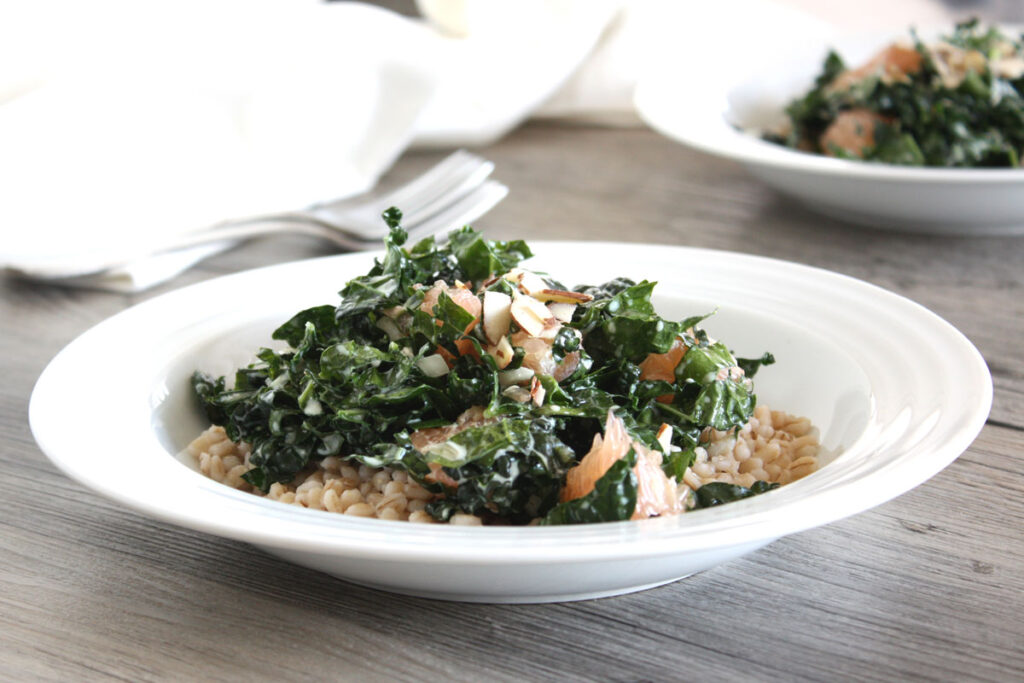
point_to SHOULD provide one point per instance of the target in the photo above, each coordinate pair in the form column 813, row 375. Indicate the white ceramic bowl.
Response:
column 723, row 112
column 896, row 392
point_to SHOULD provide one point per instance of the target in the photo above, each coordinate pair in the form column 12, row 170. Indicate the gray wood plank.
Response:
column 895, row 592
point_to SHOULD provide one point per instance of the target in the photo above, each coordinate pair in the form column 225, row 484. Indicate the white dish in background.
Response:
column 723, row 112
column 896, row 391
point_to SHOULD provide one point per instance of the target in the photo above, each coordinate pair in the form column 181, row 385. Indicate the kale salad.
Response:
column 955, row 102
column 500, row 392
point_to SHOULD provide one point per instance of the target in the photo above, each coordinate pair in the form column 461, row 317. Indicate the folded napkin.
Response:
column 200, row 112
column 125, row 124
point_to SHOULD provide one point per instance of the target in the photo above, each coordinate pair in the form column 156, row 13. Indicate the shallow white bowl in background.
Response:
column 897, row 393
column 723, row 112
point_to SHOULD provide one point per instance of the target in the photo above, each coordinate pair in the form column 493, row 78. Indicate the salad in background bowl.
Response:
column 954, row 102
column 962, row 191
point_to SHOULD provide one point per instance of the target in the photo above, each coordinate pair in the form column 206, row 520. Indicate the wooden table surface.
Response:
column 927, row 586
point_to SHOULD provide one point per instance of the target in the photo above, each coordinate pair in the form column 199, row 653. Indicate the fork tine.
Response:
column 427, row 194
column 425, row 183
column 456, row 189
column 417, row 196
column 464, row 211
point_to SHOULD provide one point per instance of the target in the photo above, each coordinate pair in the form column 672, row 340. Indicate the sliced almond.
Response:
column 497, row 315
column 529, row 282
column 1008, row 67
column 489, row 281
column 665, row 437
column 514, row 275
column 531, row 315
column 532, row 284
column 537, row 392
column 516, row 393
column 502, row 352
column 562, row 311
column 550, row 331
column 561, row 296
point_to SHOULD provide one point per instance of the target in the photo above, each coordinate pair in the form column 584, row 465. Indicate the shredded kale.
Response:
column 355, row 384
column 613, row 498
column 512, row 469
column 719, row 493
column 750, row 366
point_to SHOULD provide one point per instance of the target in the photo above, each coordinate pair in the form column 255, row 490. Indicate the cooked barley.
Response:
column 774, row 446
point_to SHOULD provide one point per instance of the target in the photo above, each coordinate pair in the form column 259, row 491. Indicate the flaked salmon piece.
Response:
column 853, row 132
column 537, row 352
column 423, row 439
column 662, row 366
column 437, row 474
column 466, row 347
column 460, row 295
column 580, row 480
column 569, row 363
column 892, row 64
column 538, row 356
column 657, row 494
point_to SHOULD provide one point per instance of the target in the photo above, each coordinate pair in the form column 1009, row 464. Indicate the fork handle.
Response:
column 237, row 231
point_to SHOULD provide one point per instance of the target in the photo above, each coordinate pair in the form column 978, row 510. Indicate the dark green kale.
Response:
column 356, row 382
column 719, row 493
column 345, row 386
column 750, row 366
column 620, row 328
column 512, row 469
column 624, row 325
column 613, row 498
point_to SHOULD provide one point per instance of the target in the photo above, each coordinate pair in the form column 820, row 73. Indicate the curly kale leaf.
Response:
column 298, row 407
column 511, row 469
column 968, row 34
column 480, row 258
column 613, row 498
column 709, row 395
column 293, row 331
column 674, row 464
column 624, row 325
column 468, row 256
column 719, row 493
column 722, row 405
column 750, row 366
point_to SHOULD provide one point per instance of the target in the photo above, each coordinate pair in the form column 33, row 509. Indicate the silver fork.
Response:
column 453, row 189
column 453, row 193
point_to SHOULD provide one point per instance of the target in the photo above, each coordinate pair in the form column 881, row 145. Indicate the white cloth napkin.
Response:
column 125, row 123
column 149, row 120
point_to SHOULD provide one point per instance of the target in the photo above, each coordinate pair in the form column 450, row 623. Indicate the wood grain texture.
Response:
column 926, row 587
